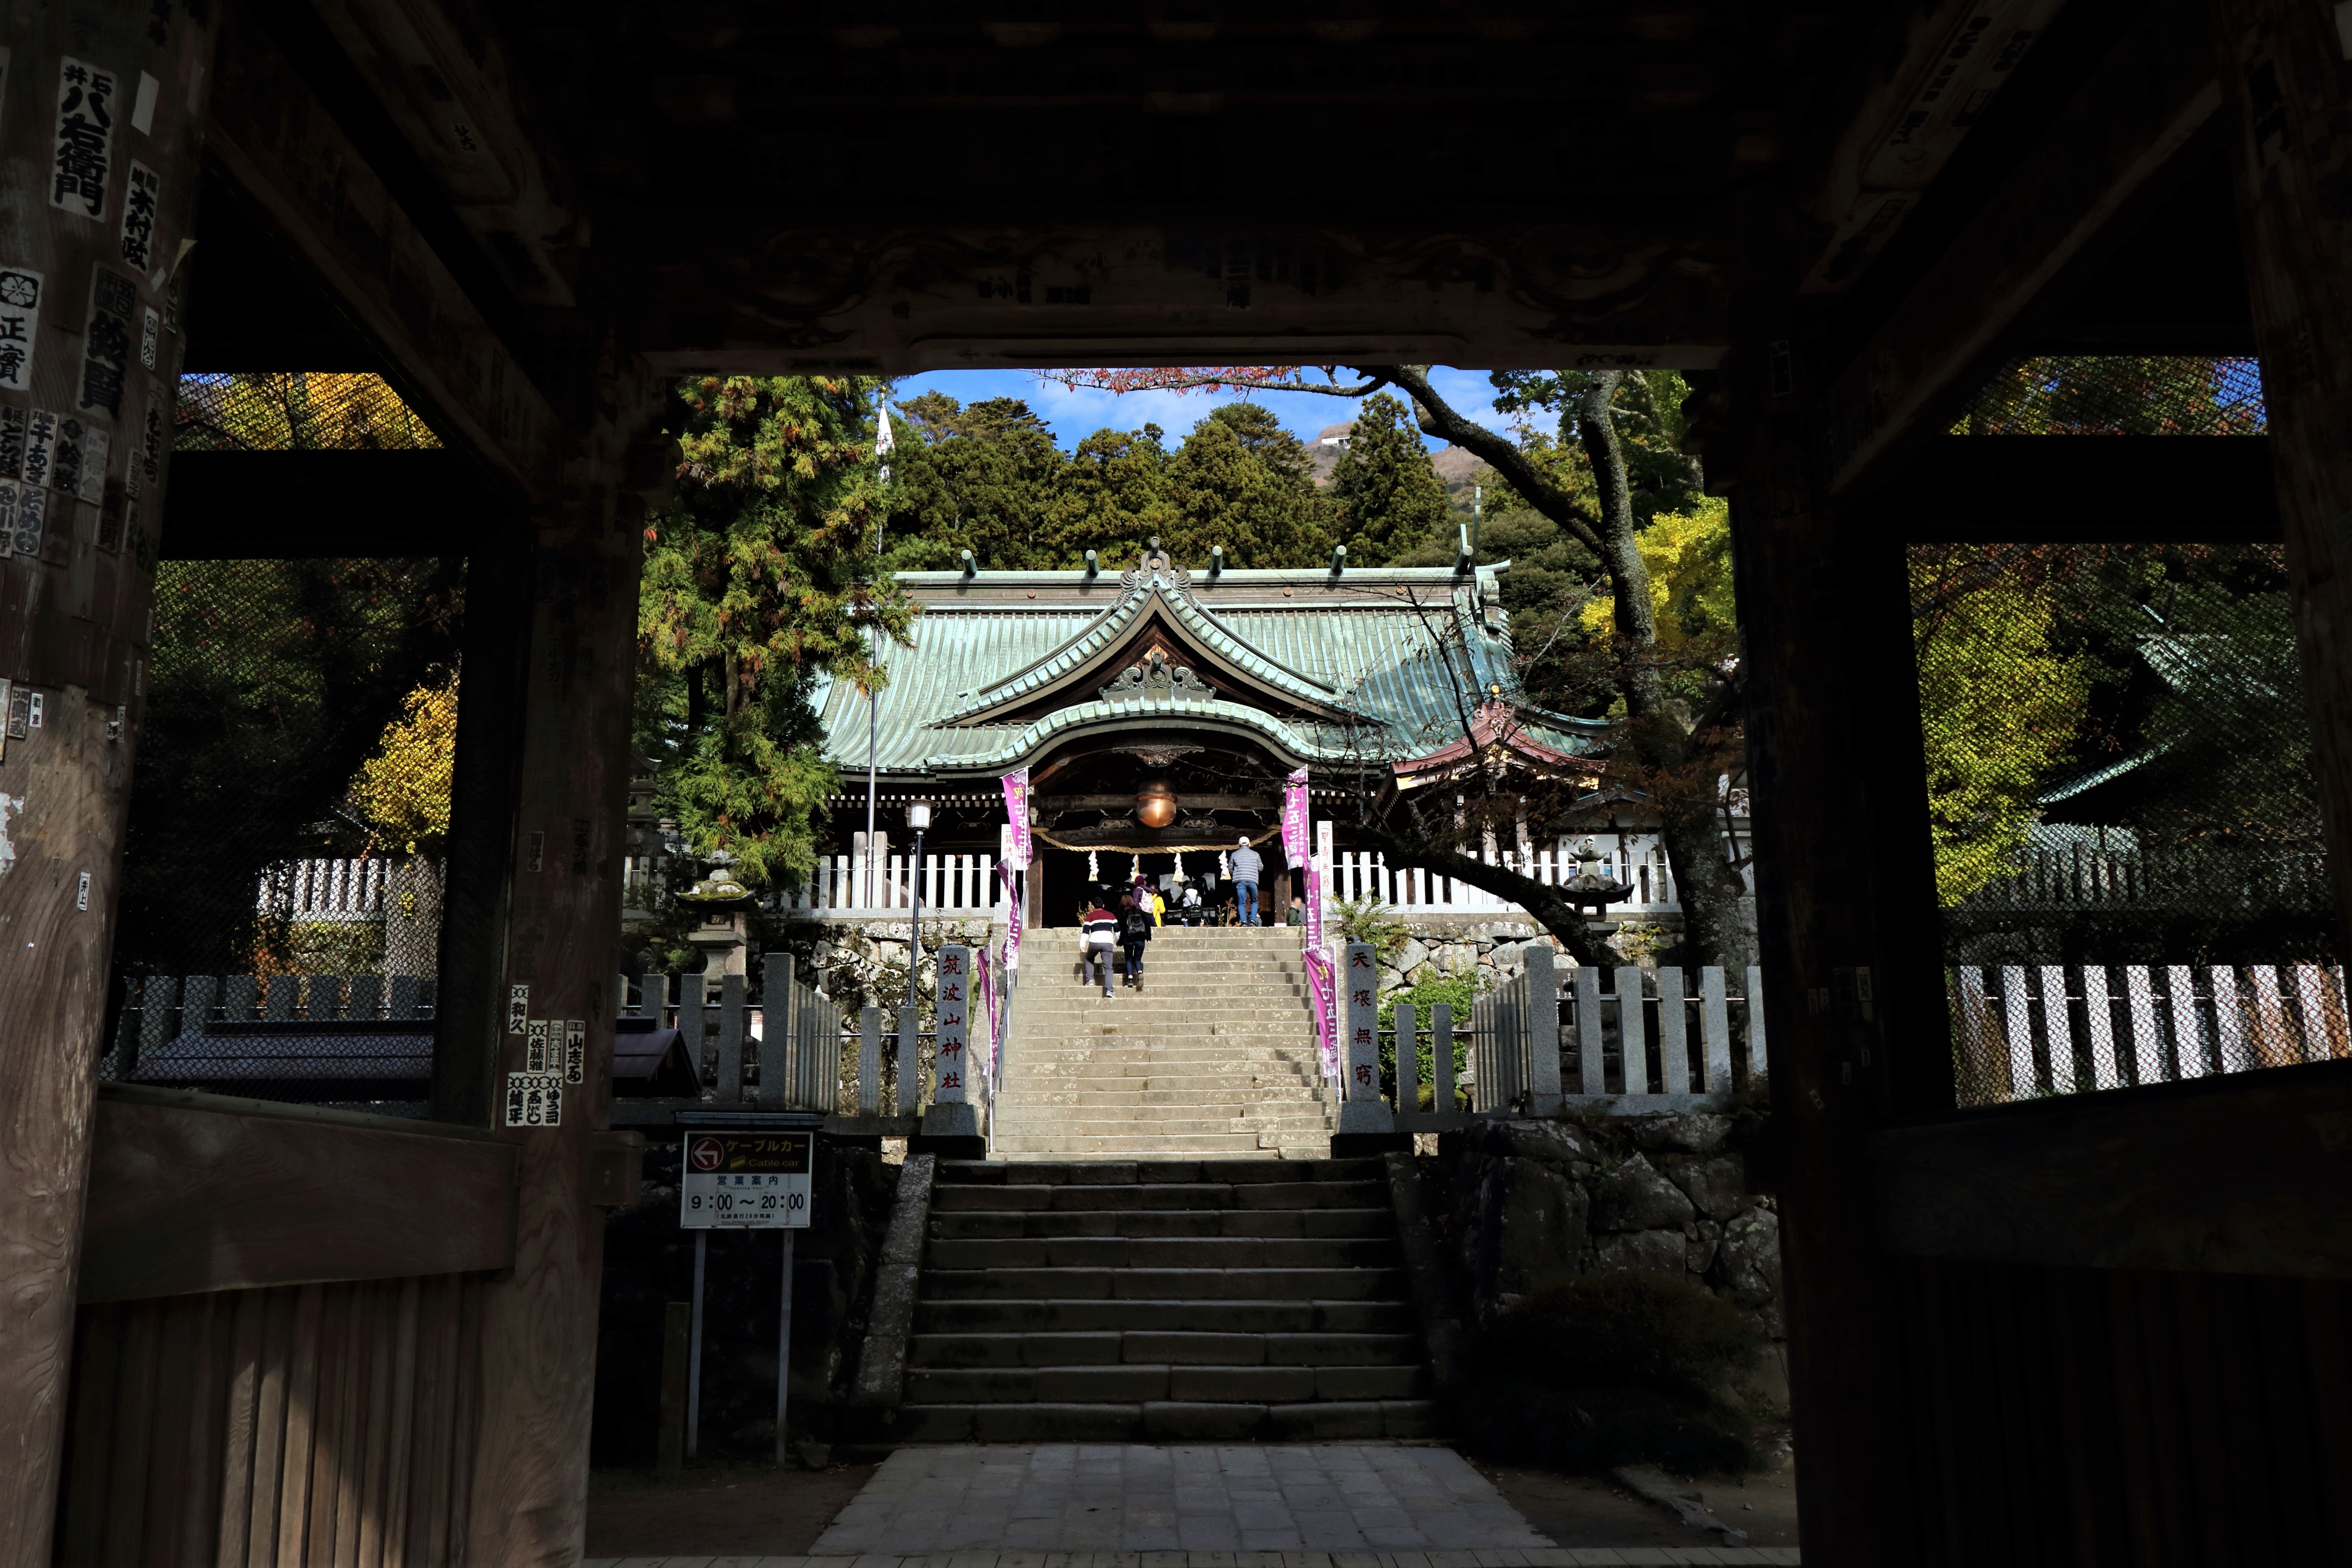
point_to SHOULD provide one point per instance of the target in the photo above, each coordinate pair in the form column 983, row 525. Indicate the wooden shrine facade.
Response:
column 1837, row 220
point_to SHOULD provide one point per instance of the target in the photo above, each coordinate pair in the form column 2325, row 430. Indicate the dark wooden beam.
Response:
column 2290, row 92
column 195, row 1192
column 272, row 136
column 2145, row 103
column 2088, row 489
column 2242, row 1174
column 307, row 505
column 441, row 72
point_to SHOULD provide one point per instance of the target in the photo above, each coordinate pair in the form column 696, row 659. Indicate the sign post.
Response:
column 951, row 1126
column 735, row 1179
column 1366, row 1124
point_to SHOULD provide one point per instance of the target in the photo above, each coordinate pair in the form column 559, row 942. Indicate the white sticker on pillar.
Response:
column 575, row 1050
column 535, row 1099
column 64, row 456
column 20, row 321
column 518, row 1009
column 142, row 103
column 10, row 806
column 954, row 1028
column 83, row 151
column 40, row 448
column 141, row 197
column 109, row 339
column 82, row 893
column 151, row 336
column 8, row 493
column 13, row 422
column 534, row 1050
column 97, row 450
column 149, row 458
column 32, row 514
column 20, row 713
column 34, row 708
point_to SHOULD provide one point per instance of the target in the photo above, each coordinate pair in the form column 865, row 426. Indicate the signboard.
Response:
column 1361, row 981
column 745, row 1181
column 1016, row 812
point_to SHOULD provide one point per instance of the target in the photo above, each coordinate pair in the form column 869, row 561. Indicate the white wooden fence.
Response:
column 1640, row 862
column 326, row 891
column 159, row 1009
column 950, row 885
column 2023, row 1032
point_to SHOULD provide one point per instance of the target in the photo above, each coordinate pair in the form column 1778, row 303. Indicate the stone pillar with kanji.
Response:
column 1367, row 1125
column 951, row 1127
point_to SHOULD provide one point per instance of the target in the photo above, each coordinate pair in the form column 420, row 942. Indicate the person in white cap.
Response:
column 1248, row 867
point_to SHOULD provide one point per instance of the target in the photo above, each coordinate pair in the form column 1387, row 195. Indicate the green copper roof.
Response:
column 1311, row 645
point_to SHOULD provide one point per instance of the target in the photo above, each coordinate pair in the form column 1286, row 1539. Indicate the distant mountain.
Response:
column 1456, row 469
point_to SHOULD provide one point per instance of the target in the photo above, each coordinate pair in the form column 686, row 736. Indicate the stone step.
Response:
column 1172, row 1421
column 1162, row 1172
column 1173, row 1347
column 1203, row 1124
column 1202, row 1252
column 1338, row 1284
column 1173, row 1089
column 1128, row 1146
column 1015, row 1315
column 984, row 1223
column 1132, row 1382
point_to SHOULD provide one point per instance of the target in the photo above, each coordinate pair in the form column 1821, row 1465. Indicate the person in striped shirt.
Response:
column 1102, row 939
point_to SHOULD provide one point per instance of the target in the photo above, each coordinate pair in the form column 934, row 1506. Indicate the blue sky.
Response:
column 1075, row 416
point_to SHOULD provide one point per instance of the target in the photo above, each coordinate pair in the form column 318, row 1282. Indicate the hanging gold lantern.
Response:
column 1155, row 804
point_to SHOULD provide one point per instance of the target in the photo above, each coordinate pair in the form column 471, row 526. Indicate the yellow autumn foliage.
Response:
column 404, row 789
column 1688, row 555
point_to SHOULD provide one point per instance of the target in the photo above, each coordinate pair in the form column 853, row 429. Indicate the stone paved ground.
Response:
column 1321, row 1497
column 1553, row 1557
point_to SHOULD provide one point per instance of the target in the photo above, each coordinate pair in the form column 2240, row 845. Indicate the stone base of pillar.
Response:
column 1367, row 1129
column 952, row 1132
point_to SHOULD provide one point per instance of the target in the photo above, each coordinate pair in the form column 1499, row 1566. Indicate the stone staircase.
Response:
column 1214, row 1057
column 1179, row 1301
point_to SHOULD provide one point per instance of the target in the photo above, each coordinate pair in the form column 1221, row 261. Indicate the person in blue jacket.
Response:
column 1248, row 867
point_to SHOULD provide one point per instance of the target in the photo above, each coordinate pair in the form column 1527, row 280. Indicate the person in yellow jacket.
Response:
column 1158, row 908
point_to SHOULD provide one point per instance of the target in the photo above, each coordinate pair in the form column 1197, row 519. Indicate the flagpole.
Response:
column 883, row 444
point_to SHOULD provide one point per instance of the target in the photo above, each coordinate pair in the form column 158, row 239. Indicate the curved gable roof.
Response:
column 1091, row 655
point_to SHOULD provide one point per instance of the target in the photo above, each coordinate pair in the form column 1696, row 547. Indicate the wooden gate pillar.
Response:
column 1844, row 915
column 103, row 118
column 539, row 1325
column 2285, row 68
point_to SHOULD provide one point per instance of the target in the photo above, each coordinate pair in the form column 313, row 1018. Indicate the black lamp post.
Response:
column 918, row 817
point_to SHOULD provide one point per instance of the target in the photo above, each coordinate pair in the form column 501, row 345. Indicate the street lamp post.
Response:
column 918, row 817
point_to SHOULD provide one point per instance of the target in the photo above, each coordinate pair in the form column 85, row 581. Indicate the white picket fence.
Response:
column 1640, row 862
column 326, row 891
column 2027, row 1031
column 950, row 885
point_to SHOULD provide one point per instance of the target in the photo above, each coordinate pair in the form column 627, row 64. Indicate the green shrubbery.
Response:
column 1612, row 1369
column 1459, row 991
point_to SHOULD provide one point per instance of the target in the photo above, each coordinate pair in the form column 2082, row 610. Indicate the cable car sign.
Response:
column 745, row 1181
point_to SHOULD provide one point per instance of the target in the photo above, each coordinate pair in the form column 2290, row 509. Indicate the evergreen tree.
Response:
column 984, row 477
column 1387, row 493
column 1114, row 497
column 1242, row 481
column 757, row 583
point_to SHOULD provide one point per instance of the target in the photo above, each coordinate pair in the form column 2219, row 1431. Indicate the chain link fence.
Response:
column 295, row 411
column 2114, row 394
column 2124, row 813
column 285, row 867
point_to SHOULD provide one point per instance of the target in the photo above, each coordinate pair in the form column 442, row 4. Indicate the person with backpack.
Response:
column 1188, row 904
column 1248, row 866
column 1134, row 931
column 1101, row 935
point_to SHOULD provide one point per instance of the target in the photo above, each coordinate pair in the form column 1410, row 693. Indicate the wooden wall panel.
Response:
column 2112, row 1418
column 322, row 1426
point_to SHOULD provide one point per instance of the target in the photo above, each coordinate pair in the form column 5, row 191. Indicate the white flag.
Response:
column 884, row 443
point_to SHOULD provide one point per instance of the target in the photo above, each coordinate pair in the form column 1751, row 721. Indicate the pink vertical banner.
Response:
column 1298, row 848
column 1016, row 811
column 1324, row 981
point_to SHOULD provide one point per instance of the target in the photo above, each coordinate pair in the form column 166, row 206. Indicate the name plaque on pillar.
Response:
column 953, row 1023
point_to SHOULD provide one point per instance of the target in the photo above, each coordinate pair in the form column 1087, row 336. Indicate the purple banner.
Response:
column 1325, row 981
column 1016, row 808
column 1014, row 914
column 1298, row 845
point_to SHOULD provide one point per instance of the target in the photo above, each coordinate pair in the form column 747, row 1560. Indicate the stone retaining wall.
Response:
column 1524, row 1204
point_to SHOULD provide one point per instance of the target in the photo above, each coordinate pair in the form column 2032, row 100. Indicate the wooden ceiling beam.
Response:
column 272, row 136
column 441, row 73
column 2143, row 105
